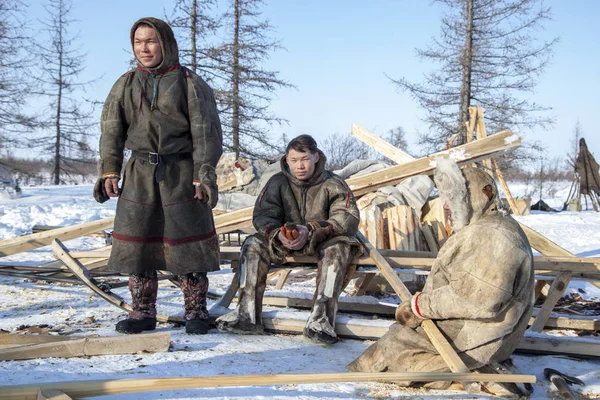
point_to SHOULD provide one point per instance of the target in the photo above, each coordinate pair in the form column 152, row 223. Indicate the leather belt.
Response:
column 159, row 160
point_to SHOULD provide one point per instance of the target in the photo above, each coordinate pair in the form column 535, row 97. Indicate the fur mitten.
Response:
column 406, row 317
column 100, row 191
column 319, row 231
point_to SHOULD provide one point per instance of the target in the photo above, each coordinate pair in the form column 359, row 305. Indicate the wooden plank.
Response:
column 563, row 322
column 36, row 240
column 15, row 339
column 557, row 346
column 422, row 260
column 560, row 283
column 364, row 284
column 557, row 288
column 432, row 215
column 92, row 388
column 380, row 145
column 500, row 177
column 481, row 132
column 464, row 154
column 92, row 346
column 282, row 278
column 52, row 394
column 437, row 339
column 428, row 235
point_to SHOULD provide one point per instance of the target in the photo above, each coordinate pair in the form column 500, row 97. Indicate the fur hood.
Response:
column 471, row 193
column 168, row 44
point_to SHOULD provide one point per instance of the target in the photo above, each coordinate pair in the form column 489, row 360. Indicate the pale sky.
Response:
column 339, row 52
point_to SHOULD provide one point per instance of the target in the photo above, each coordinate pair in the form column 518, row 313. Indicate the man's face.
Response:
column 147, row 47
column 302, row 164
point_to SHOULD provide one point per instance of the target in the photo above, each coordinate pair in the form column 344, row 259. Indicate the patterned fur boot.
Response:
column 194, row 287
column 143, row 290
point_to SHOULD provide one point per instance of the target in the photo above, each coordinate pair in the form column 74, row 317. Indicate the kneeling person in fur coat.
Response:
column 167, row 116
column 302, row 210
column 479, row 291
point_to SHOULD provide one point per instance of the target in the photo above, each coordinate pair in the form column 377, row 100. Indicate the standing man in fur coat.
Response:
column 479, row 291
column 302, row 210
column 167, row 116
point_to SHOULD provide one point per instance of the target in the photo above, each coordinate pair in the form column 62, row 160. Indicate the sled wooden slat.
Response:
column 92, row 346
column 376, row 143
column 560, row 283
column 546, row 265
column 91, row 388
column 15, row 339
column 561, row 322
column 36, row 240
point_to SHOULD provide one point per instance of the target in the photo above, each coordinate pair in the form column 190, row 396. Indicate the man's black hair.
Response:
column 303, row 144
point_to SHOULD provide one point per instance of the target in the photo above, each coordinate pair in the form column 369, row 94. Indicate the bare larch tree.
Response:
column 196, row 28
column 15, row 76
column 488, row 56
column 244, row 102
column 67, row 130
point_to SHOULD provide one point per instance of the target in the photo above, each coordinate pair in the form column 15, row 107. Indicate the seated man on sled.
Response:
column 302, row 210
column 479, row 291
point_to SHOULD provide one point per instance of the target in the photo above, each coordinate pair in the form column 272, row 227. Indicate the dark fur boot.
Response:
column 194, row 287
column 254, row 267
column 331, row 276
column 143, row 290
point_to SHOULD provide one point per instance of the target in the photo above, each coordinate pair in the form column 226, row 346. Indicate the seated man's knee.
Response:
column 253, row 245
column 335, row 249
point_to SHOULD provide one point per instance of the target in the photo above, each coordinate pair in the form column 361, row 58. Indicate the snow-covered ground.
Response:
column 70, row 309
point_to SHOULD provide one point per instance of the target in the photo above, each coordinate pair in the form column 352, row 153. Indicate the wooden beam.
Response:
column 547, row 265
column 505, row 188
column 15, row 339
column 92, row 388
column 464, row 154
column 556, row 346
column 36, row 240
column 380, row 145
column 92, row 346
column 561, row 322
column 560, row 283
column 282, row 278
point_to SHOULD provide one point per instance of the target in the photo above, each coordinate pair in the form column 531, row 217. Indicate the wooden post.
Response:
column 283, row 275
column 92, row 388
column 560, row 283
column 36, row 240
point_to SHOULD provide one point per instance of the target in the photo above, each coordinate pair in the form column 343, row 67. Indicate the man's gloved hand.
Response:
column 207, row 189
column 100, row 192
column 406, row 317
column 294, row 237
column 111, row 185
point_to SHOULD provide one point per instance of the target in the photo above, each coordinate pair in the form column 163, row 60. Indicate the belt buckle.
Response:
column 153, row 158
